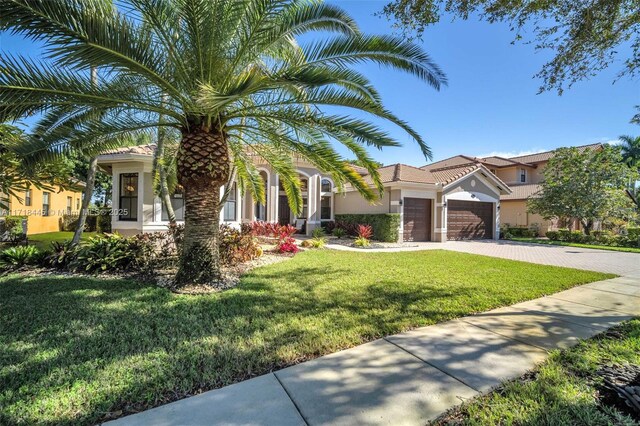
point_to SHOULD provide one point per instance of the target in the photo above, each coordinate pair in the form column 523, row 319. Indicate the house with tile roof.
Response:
column 457, row 200
column 523, row 174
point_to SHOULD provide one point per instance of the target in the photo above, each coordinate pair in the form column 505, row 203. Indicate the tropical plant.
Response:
column 365, row 231
column 113, row 252
column 63, row 253
column 318, row 233
column 15, row 257
column 232, row 76
column 630, row 149
column 339, row 232
column 361, row 242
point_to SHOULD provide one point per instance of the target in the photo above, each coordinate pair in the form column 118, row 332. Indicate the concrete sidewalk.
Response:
column 411, row 378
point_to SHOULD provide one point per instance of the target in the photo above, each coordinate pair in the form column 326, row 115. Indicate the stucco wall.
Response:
column 514, row 213
column 353, row 203
column 36, row 222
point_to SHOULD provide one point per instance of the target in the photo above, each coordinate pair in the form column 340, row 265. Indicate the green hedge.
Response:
column 605, row 238
column 385, row 225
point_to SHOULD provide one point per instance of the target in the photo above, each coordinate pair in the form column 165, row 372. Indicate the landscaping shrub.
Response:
column 314, row 243
column 564, row 235
column 361, row 242
column 103, row 222
column 328, row 226
column 553, row 235
column 385, row 225
column 113, row 252
column 339, row 232
column 237, row 247
column 62, row 254
column 287, row 245
column 15, row 257
column 365, row 231
column 520, row 232
column 318, row 233
column 12, row 229
column 70, row 223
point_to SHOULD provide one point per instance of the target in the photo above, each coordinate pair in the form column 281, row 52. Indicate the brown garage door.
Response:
column 416, row 219
column 469, row 220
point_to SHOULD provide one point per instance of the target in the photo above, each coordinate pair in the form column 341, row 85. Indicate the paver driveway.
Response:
column 614, row 262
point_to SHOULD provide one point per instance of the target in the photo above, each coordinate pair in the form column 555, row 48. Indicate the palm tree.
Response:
column 630, row 150
column 233, row 76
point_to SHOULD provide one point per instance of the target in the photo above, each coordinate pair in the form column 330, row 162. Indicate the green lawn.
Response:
column 43, row 241
column 562, row 243
column 74, row 349
column 562, row 391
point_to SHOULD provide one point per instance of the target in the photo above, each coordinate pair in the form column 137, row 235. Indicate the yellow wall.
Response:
column 36, row 222
column 514, row 213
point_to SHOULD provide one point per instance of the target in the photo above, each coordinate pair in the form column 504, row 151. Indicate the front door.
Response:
column 284, row 211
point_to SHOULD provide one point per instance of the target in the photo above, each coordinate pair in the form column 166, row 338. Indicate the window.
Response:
column 230, row 205
column 69, row 203
column 78, row 204
column 261, row 209
column 27, row 197
column 45, row 203
column 326, row 199
column 177, row 202
column 523, row 175
column 128, row 196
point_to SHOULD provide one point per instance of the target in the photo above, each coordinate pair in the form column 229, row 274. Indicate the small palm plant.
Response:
column 232, row 76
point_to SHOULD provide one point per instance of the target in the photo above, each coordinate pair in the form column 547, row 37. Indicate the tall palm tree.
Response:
column 233, row 76
column 630, row 149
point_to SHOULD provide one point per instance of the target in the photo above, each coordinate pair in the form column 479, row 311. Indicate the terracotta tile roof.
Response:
column 499, row 161
column 447, row 175
column 402, row 173
column 522, row 192
column 545, row 156
column 148, row 149
column 449, row 162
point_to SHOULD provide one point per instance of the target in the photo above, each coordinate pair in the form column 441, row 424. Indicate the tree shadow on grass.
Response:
column 94, row 346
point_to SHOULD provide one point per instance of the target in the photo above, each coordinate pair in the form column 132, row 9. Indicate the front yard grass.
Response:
column 43, row 241
column 563, row 243
column 81, row 350
column 562, row 391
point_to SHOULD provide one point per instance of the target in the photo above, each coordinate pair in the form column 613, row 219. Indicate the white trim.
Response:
column 472, row 196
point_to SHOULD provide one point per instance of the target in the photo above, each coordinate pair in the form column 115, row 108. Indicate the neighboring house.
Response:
column 523, row 174
column 44, row 208
column 435, row 203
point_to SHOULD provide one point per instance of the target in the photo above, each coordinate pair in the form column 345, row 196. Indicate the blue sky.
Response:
column 490, row 105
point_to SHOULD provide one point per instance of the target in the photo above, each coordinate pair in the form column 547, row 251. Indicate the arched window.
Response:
column 326, row 200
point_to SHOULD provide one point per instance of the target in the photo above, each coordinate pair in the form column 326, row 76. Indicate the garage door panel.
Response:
column 468, row 220
column 416, row 223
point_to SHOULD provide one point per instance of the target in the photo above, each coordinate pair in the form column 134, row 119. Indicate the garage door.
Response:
column 469, row 220
column 416, row 219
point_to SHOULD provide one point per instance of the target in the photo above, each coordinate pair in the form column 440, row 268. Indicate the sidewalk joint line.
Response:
column 431, row 365
column 591, row 306
column 291, row 399
column 614, row 292
column 559, row 318
column 533, row 345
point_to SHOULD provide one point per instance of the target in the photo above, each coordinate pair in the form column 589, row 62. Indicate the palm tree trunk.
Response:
column 203, row 166
column 88, row 193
